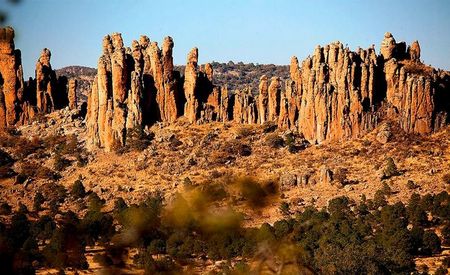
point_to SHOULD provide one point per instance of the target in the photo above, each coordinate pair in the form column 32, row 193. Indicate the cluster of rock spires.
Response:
column 138, row 86
column 334, row 94
column 20, row 101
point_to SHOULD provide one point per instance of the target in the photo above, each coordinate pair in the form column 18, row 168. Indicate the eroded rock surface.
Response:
column 335, row 94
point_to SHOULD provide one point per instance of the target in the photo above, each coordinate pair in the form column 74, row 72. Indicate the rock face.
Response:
column 191, row 108
column 274, row 99
column 19, row 100
column 388, row 46
column 335, row 94
column 134, row 87
column 244, row 110
column 263, row 99
column 414, row 51
column 72, row 94
column 11, row 79
column 45, row 83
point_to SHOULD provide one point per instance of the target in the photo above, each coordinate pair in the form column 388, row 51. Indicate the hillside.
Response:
column 221, row 159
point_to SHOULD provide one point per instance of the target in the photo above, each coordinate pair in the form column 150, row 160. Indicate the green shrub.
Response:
column 38, row 201
column 137, row 139
column 284, row 208
column 5, row 209
column 274, row 141
column 94, row 201
column 60, row 162
column 78, row 190
column 119, row 205
column 441, row 271
column 446, row 178
column 411, row 185
column 390, row 169
column 379, row 199
column 431, row 243
column 23, row 208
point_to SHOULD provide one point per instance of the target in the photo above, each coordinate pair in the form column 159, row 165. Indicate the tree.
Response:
column 38, row 201
column 431, row 243
column 78, row 190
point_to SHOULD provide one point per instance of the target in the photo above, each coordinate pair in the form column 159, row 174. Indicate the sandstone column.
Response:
column 72, row 94
column 190, row 83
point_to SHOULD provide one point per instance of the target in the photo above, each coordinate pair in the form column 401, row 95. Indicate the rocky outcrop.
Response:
column 244, row 110
column 191, row 108
column 388, row 46
column 170, row 83
column 414, row 51
column 45, row 83
column 274, row 98
column 11, row 80
column 72, row 94
column 335, row 94
column 263, row 99
column 411, row 99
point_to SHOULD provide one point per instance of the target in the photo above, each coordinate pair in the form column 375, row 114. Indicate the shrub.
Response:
column 24, row 147
column 390, row 169
column 441, row 271
column 274, row 141
column 23, row 208
column 284, row 208
column 36, row 170
column 386, row 189
column 5, row 209
column 340, row 175
column 5, row 158
column 446, row 262
column 445, row 231
column 120, row 205
column 431, row 243
column 269, row 127
column 244, row 131
column 446, row 178
column 411, row 185
column 137, row 139
column 78, row 190
column 38, row 201
column 255, row 193
column 157, row 246
column 379, row 199
column 95, row 203
column 237, row 148
column 61, row 163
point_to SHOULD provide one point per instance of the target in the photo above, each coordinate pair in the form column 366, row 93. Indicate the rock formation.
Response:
column 11, row 79
column 335, row 94
column 414, row 51
column 190, row 83
column 72, row 94
column 45, row 83
column 273, row 104
column 244, row 110
column 263, row 99
column 388, row 45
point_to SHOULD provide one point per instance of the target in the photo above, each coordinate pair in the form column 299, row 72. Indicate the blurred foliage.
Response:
column 3, row 14
column 346, row 237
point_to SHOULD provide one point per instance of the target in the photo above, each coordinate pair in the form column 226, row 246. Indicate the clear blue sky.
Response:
column 256, row 31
